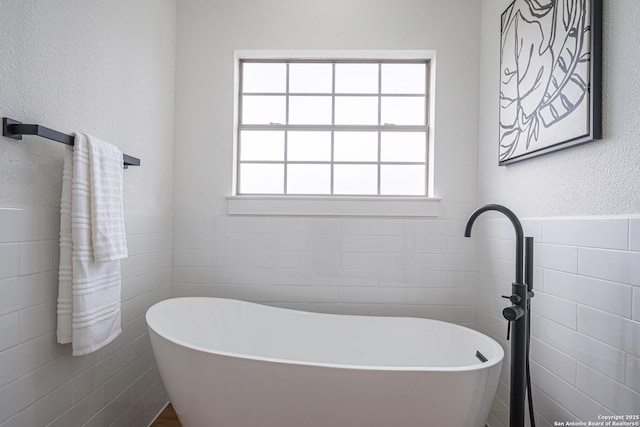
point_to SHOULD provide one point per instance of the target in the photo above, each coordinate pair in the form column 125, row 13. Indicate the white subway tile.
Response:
column 337, row 277
column 618, row 266
column 371, row 295
column 140, row 223
column 398, row 278
column 404, row 244
column 441, row 296
column 325, row 243
column 39, row 256
column 38, row 288
column 9, row 330
column 112, row 410
column 188, row 224
column 356, row 260
column 245, row 242
column 193, row 258
column 9, row 260
column 433, row 227
column 37, row 320
column 494, row 226
column 292, row 242
column 556, row 257
column 461, row 245
column 461, row 279
column 8, row 400
column 239, row 225
column 321, row 226
column 39, row 383
column 126, row 376
column 218, row 275
column 11, row 295
column 431, row 245
column 556, row 309
column 615, row 396
column 614, row 330
column 581, row 405
column 447, row 262
column 267, row 276
column 538, row 279
column 44, row 410
column 636, row 304
column 12, row 228
column 293, row 259
column 598, row 355
column 496, row 248
column 144, row 263
column 634, row 234
column 257, row 259
column 432, row 279
column 608, row 296
column 194, row 241
column 41, row 224
column 371, row 226
column 550, row 410
column 262, row 293
column 497, row 268
column 554, row 360
column 359, row 244
column 606, row 233
column 138, row 244
column 633, row 372
column 285, row 225
column 80, row 411
column 397, row 261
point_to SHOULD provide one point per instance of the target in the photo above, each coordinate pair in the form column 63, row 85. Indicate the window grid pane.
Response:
column 348, row 175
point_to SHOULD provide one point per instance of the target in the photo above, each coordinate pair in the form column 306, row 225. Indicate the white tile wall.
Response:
column 40, row 383
column 586, row 329
column 376, row 266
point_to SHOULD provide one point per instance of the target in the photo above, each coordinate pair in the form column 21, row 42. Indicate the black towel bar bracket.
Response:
column 15, row 129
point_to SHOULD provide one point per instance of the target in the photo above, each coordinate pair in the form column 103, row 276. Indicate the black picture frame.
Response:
column 550, row 77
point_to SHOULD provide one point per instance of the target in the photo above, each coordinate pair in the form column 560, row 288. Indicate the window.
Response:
column 333, row 127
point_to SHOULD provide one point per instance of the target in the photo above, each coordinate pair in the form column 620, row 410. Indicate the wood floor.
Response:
column 168, row 418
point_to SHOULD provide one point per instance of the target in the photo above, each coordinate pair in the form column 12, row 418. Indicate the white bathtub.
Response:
column 228, row 363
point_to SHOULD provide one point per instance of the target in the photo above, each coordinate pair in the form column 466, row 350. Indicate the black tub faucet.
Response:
column 518, row 313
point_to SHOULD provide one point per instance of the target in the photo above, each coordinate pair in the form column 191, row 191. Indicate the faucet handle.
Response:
column 515, row 299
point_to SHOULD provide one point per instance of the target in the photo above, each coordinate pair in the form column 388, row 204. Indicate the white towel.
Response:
column 107, row 212
column 89, row 289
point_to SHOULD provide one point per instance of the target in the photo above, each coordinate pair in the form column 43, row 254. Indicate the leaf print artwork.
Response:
column 545, row 54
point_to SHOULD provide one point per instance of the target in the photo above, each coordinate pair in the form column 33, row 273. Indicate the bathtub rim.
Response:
column 497, row 358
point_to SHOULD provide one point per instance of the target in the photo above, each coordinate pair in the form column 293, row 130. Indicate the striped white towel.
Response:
column 107, row 212
column 89, row 289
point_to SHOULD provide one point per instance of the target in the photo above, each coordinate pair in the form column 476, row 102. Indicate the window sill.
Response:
column 333, row 206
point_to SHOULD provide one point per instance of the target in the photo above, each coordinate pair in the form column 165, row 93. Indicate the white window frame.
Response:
column 334, row 205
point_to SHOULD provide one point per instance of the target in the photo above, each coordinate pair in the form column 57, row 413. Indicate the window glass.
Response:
column 332, row 127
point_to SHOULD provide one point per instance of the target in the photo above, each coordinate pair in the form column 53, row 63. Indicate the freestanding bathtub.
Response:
column 228, row 363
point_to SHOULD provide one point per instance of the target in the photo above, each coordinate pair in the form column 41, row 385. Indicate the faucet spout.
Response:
column 516, row 225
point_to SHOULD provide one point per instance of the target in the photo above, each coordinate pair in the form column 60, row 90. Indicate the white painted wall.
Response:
column 104, row 68
column 598, row 178
column 210, row 31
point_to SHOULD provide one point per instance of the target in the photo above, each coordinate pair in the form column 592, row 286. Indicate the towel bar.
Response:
column 15, row 129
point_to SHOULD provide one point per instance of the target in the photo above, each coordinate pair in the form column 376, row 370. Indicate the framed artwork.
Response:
column 550, row 76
